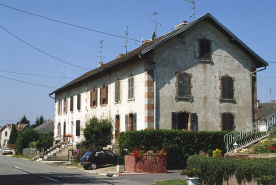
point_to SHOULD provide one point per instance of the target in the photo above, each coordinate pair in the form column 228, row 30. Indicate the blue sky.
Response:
column 252, row 21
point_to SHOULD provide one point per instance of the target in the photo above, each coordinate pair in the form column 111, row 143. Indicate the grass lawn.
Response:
column 173, row 182
column 21, row 156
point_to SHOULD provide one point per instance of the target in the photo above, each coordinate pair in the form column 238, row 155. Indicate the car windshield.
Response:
column 87, row 154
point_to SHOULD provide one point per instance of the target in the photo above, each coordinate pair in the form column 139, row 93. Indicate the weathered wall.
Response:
column 125, row 106
column 178, row 54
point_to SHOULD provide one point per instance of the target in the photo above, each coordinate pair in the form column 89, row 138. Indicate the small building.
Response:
column 48, row 126
column 198, row 77
column 6, row 131
column 266, row 115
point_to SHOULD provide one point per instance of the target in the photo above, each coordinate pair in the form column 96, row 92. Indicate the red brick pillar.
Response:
column 149, row 95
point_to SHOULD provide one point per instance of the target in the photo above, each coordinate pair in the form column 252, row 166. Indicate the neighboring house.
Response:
column 6, row 131
column 197, row 77
column 48, row 126
column 0, row 135
column 266, row 115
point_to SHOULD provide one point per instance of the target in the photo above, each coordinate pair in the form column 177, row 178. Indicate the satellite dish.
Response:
column 153, row 35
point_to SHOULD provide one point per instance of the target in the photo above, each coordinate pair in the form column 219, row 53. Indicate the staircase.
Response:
column 59, row 152
column 249, row 135
column 114, row 148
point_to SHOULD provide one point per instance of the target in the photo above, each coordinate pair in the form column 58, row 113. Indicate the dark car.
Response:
column 93, row 159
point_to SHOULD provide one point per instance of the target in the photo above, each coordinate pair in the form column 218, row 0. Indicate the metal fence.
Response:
column 247, row 135
column 29, row 152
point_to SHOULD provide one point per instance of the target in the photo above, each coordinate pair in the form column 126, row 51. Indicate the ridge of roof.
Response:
column 145, row 48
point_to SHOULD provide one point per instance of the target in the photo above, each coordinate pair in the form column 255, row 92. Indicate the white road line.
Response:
column 51, row 179
column 16, row 167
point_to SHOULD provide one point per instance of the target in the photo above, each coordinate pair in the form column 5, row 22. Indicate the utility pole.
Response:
column 193, row 2
column 155, row 13
column 270, row 95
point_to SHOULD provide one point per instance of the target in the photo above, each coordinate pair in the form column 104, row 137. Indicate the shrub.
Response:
column 81, row 150
column 180, row 144
column 98, row 133
column 24, row 138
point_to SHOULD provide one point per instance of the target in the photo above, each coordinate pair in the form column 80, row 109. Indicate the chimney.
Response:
column 258, row 103
column 100, row 64
column 146, row 41
column 119, row 55
column 183, row 23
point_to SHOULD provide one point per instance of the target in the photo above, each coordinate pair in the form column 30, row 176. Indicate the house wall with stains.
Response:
column 181, row 54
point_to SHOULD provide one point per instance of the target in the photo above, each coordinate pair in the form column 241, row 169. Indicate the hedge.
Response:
column 216, row 170
column 180, row 144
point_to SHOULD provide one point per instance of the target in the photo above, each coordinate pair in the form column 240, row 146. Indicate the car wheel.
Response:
column 93, row 166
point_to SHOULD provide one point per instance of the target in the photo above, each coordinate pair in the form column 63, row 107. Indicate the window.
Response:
column 93, row 98
column 79, row 101
column 117, row 91
column 58, row 131
column 131, row 122
column 71, row 103
column 104, row 95
column 64, row 106
column 78, row 128
column 227, row 89
column 183, row 86
column 204, row 50
column 6, row 133
column 64, row 128
column 181, row 120
column 227, row 121
column 130, row 87
column 59, row 106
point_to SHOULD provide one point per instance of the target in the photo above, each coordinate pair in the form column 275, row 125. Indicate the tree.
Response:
column 24, row 120
column 98, row 132
column 45, row 140
column 39, row 121
column 24, row 138
column 13, row 135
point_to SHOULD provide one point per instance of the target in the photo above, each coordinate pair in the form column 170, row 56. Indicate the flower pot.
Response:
column 120, row 168
column 192, row 180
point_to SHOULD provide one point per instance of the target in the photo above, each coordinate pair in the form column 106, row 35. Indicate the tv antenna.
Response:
column 156, row 23
column 193, row 2
column 101, row 51
column 126, row 34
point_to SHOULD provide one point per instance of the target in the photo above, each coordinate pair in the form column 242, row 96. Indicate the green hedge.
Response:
column 215, row 170
column 180, row 144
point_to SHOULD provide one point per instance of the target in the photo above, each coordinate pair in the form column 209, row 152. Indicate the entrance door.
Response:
column 183, row 119
column 117, row 129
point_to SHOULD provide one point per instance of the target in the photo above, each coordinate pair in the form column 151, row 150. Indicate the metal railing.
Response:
column 247, row 135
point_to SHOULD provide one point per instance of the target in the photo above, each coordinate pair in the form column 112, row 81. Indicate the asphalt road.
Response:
column 15, row 171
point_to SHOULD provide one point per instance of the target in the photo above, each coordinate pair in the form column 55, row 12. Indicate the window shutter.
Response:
column 224, row 87
column 174, row 120
column 64, row 105
column 135, row 121
column 194, row 122
column 101, row 95
column 78, row 128
column 106, row 94
column 126, row 123
column 132, row 87
column 78, row 101
column 186, row 85
column 204, row 48
column 224, row 122
column 180, row 85
column 129, row 87
column 117, row 91
column 64, row 128
column 230, row 122
column 230, row 88
column 91, row 98
column 71, row 103
column 227, row 88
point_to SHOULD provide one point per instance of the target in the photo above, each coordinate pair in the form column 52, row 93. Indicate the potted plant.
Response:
column 192, row 175
column 120, row 164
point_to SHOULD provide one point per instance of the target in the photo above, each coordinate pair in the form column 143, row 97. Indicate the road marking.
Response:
column 16, row 167
column 51, row 179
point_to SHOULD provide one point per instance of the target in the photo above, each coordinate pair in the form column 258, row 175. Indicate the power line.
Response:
column 67, row 23
column 27, row 82
column 28, row 74
column 43, row 51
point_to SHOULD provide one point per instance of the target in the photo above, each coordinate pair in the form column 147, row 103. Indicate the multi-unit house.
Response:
column 198, row 77
column 6, row 131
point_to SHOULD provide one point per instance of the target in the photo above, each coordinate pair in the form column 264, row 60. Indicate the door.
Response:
column 117, row 129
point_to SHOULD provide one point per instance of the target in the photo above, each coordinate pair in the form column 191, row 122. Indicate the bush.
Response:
column 98, row 133
column 180, row 144
column 216, row 170
column 81, row 150
column 24, row 138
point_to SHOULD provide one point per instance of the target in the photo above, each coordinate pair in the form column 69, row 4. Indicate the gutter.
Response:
column 259, row 70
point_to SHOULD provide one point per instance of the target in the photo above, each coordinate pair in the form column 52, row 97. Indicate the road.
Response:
column 15, row 171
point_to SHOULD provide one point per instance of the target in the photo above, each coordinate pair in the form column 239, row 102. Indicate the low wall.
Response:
column 147, row 164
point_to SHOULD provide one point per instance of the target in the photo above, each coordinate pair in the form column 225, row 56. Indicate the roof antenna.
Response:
column 193, row 2
column 101, row 52
column 155, row 13
column 126, row 34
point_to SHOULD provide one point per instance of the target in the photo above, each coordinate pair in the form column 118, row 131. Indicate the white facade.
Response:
column 5, row 136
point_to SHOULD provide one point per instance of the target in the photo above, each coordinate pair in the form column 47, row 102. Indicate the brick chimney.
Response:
column 100, row 64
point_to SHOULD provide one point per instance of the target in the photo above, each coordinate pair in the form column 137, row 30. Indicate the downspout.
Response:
column 259, row 70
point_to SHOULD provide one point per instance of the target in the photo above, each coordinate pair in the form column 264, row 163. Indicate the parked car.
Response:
column 6, row 151
column 94, row 159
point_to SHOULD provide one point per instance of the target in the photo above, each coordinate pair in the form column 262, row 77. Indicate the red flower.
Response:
column 156, row 150
column 206, row 154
